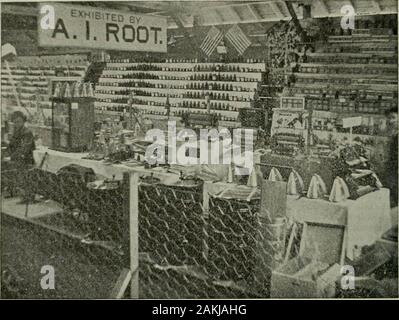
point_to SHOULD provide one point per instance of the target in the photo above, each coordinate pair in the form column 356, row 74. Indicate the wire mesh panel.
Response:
column 247, row 243
column 171, row 234
column 186, row 251
column 233, row 233
column 76, row 225
column 242, row 247
column 171, row 223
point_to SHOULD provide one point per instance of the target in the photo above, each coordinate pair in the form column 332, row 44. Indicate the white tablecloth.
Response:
column 55, row 160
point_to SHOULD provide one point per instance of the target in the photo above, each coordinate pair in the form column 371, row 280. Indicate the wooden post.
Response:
column 309, row 140
column 273, row 204
column 273, row 199
column 350, row 135
column 118, row 291
column 27, row 208
column 205, row 214
column 134, row 233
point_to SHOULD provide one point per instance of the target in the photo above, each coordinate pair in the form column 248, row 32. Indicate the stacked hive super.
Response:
column 28, row 79
column 165, row 90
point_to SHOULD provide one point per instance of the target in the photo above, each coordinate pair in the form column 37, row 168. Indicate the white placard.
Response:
column 351, row 122
column 62, row 25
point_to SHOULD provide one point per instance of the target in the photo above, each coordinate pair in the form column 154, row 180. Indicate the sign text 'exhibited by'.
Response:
column 73, row 26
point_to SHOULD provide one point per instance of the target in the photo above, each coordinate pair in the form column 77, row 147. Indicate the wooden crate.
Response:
column 315, row 270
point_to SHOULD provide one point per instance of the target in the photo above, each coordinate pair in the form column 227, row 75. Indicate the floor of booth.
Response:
column 40, row 208
column 30, row 249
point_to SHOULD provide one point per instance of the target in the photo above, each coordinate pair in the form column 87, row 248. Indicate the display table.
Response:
column 55, row 160
column 366, row 218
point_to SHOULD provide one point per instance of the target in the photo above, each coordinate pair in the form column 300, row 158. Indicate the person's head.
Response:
column 19, row 119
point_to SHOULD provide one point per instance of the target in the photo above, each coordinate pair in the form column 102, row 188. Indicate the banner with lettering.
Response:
column 62, row 25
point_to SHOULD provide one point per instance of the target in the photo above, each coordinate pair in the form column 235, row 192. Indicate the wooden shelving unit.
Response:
column 228, row 86
column 349, row 76
column 32, row 82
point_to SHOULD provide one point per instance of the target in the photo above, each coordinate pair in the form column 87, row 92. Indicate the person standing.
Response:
column 391, row 166
column 20, row 149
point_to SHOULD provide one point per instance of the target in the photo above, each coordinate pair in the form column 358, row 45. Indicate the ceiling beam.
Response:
column 219, row 15
column 294, row 17
column 156, row 13
column 376, row 5
column 215, row 16
column 180, row 25
column 238, row 4
column 140, row 5
column 19, row 10
column 254, row 12
column 323, row 7
column 351, row 3
column 233, row 12
column 276, row 9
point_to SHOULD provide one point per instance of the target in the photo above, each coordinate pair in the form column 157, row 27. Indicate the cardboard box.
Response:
column 314, row 271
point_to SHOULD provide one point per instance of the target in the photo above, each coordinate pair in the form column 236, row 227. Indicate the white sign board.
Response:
column 62, row 25
column 351, row 122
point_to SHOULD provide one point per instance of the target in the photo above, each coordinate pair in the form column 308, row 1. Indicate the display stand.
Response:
column 72, row 124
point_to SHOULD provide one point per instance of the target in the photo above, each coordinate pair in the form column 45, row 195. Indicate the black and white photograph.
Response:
column 185, row 150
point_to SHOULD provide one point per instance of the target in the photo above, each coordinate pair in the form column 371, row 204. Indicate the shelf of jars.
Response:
column 35, row 78
column 349, row 58
column 347, row 67
column 354, row 107
column 187, row 66
column 164, row 92
column 363, row 38
column 182, row 83
column 233, row 89
column 370, row 38
column 7, row 83
column 176, row 109
column 364, row 48
column 386, row 91
column 187, row 86
column 31, row 84
column 219, row 100
column 21, row 73
column 224, row 115
column 344, row 79
column 27, row 94
column 226, row 118
column 327, row 125
column 186, row 75
column 327, row 116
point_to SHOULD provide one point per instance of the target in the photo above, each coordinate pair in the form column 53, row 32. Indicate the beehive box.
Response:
column 314, row 271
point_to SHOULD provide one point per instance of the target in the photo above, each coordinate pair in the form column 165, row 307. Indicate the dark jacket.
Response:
column 21, row 148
